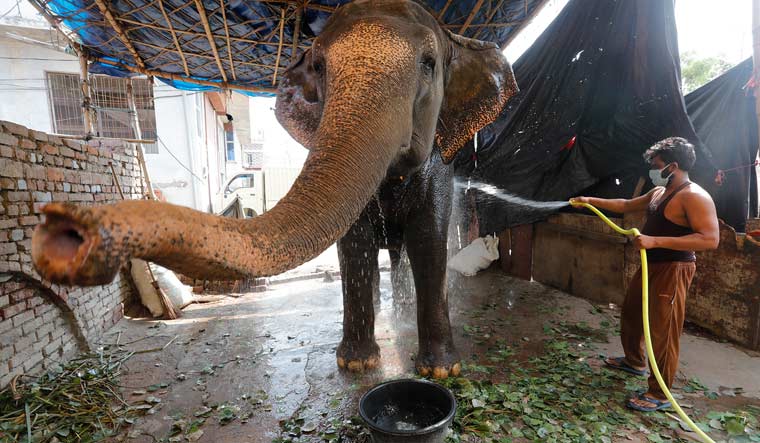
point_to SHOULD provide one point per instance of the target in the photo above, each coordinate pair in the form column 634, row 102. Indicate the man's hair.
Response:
column 673, row 149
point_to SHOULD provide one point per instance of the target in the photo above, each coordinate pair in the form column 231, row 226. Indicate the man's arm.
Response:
column 618, row 205
column 703, row 219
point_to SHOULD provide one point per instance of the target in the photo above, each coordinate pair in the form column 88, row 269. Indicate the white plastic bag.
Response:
column 179, row 294
column 477, row 256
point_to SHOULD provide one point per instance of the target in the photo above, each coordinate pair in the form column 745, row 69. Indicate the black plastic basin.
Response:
column 407, row 411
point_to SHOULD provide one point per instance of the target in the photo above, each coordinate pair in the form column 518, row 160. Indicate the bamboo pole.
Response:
column 135, row 122
column 137, row 24
column 296, row 34
column 87, row 111
column 306, row 5
column 227, row 34
column 171, row 76
column 489, row 18
column 444, row 9
column 210, row 37
column 279, row 48
column 471, row 17
column 174, row 36
column 110, row 18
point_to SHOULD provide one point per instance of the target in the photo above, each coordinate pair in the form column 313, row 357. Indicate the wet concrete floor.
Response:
column 270, row 356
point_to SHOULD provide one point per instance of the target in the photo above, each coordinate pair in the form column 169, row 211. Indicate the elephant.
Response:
column 383, row 100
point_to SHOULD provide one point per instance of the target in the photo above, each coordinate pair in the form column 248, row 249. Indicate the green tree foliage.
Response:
column 697, row 70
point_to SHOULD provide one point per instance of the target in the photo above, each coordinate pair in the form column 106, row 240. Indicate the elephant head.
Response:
column 381, row 88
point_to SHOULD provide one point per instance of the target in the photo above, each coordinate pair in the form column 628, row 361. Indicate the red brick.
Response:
column 7, row 224
column 29, row 220
column 9, row 311
column 11, row 168
column 7, row 139
column 27, row 144
column 54, row 174
column 49, row 149
column 21, row 295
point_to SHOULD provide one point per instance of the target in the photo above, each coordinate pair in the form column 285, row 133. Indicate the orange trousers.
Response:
column 668, row 284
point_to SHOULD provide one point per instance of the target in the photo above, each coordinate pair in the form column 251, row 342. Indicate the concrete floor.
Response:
column 270, row 356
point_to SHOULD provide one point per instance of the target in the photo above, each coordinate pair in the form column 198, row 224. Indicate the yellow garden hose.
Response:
column 645, row 314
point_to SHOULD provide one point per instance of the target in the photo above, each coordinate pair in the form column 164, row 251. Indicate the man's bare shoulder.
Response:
column 695, row 194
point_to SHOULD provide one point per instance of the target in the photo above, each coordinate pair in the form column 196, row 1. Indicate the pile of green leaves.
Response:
column 75, row 402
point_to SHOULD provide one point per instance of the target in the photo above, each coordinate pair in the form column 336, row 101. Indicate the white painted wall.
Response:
column 280, row 150
column 23, row 93
column 180, row 169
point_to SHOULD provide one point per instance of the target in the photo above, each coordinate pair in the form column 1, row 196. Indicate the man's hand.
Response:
column 578, row 201
column 644, row 242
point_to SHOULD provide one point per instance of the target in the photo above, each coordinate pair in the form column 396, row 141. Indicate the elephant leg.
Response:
column 426, row 246
column 360, row 274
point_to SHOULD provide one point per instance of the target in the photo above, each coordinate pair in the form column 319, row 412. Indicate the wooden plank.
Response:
column 207, row 27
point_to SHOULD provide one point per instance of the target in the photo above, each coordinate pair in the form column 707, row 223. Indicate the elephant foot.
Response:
column 439, row 364
column 358, row 357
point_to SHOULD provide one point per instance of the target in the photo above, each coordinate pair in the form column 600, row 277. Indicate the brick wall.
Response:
column 42, row 324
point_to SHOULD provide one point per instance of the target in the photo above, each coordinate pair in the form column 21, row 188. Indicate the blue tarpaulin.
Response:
column 246, row 34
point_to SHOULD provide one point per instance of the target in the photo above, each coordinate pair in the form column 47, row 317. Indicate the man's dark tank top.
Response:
column 659, row 226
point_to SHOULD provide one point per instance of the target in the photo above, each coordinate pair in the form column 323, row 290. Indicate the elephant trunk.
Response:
column 352, row 151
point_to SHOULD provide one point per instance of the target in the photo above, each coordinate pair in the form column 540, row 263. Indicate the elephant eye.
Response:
column 427, row 65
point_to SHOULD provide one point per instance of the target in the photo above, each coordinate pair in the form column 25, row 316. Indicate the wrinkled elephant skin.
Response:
column 384, row 81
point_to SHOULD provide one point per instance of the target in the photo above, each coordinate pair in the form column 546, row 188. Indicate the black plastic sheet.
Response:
column 723, row 113
column 598, row 87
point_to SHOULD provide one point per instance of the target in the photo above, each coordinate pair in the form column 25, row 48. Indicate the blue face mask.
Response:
column 656, row 176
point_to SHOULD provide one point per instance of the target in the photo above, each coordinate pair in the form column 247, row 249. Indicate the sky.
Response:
column 707, row 27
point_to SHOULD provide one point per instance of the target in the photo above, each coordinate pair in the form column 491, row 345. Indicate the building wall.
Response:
column 180, row 150
column 41, row 323
column 23, row 90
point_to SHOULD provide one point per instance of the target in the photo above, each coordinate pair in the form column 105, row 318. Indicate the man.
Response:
column 681, row 219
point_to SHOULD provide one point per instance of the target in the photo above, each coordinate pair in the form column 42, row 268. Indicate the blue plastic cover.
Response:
column 246, row 21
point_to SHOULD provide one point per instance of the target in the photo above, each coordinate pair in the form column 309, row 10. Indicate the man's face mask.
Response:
column 656, row 175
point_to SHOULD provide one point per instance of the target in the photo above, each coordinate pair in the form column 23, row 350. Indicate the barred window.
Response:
column 109, row 99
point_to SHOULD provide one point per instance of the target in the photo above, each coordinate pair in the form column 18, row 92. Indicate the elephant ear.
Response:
column 479, row 81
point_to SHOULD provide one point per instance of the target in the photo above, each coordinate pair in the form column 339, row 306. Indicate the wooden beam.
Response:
column 169, row 75
column 227, row 34
column 307, row 5
column 119, row 32
column 84, row 78
column 137, row 24
column 296, row 34
column 174, row 36
column 279, row 47
column 489, row 18
column 529, row 18
column 202, row 12
column 471, row 17
column 443, row 10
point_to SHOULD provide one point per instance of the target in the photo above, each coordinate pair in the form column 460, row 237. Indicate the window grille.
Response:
column 109, row 99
